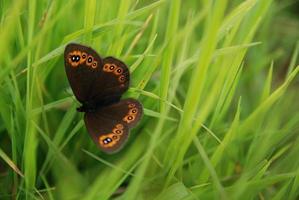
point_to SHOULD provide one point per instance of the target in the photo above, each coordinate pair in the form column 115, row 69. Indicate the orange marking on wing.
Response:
column 119, row 132
column 111, row 139
column 119, row 126
column 129, row 118
column 94, row 64
column 109, row 67
column 106, row 67
column 118, row 71
column 89, row 60
column 108, row 140
column 133, row 111
column 118, row 129
column 121, row 78
column 131, row 115
column 83, row 57
column 76, row 62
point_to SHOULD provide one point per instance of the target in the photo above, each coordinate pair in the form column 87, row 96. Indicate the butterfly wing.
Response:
column 113, row 81
column 95, row 80
column 109, row 126
column 82, row 66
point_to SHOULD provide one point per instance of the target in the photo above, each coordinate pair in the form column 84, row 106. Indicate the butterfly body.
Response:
column 90, row 107
column 98, row 85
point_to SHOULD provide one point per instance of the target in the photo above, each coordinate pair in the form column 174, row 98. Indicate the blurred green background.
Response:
column 218, row 81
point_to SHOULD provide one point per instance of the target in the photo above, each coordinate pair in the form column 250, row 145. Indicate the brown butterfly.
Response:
column 98, row 85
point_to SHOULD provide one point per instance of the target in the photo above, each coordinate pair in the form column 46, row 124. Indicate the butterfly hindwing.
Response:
column 109, row 135
column 109, row 126
column 128, row 111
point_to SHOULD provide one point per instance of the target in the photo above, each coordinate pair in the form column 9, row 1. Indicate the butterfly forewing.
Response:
column 82, row 66
column 109, row 126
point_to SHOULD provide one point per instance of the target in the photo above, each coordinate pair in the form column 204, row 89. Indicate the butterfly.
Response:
column 98, row 85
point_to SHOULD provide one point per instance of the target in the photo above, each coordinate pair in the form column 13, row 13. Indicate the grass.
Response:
column 218, row 81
